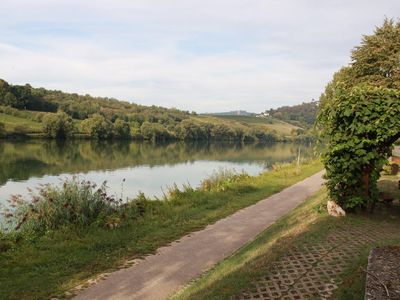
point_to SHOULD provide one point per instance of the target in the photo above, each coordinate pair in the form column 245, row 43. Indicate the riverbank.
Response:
column 25, row 124
column 48, row 265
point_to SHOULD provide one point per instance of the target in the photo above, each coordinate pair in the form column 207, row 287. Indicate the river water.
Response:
column 130, row 167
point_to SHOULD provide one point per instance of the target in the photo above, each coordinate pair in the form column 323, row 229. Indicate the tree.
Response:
column 10, row 100
column 98, row 127
column 4, row 89
column 222, row 132
column 189, row 130
column 122, row 129
column 359, row 119
column 154, row 131
column 23, row 95
column 2, row 130
column 58, row 125
column 376, row 61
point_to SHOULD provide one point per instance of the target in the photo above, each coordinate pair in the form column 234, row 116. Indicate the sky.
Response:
column 196, row 55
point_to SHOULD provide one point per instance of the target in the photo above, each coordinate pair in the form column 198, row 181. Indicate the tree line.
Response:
column 303, row 115
column 64, row 115
column 60, row 125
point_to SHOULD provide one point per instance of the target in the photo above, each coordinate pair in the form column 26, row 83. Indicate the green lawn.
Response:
column 12, row 123
column 45, row 267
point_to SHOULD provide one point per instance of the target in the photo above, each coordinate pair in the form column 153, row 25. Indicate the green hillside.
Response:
column 26, row 110
column 17, row 124
column 303, row 115
column 279, row 126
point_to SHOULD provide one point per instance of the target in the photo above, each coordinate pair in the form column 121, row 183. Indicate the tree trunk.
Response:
column 366, row 175
column 365, row 186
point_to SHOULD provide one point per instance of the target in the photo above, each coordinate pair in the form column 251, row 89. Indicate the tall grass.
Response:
column 80, row 203
column 75, row 203
column 221, row 179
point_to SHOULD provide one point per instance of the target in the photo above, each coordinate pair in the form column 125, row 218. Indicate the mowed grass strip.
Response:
column 48, row 266
column 28, row 126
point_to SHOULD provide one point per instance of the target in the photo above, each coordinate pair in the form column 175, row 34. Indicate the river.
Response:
column 130, row 167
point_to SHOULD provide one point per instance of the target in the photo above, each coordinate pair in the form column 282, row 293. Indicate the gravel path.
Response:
column 159, row 275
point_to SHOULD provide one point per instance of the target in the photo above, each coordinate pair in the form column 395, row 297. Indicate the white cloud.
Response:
column 195, row 55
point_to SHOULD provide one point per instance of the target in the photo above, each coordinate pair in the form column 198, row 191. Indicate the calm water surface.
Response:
column 146, row 167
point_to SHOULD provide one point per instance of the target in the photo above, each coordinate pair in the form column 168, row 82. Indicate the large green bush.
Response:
column 98, row 127
column 359, row 118
column 59, row 125
column 360, row 126
column 122, row 129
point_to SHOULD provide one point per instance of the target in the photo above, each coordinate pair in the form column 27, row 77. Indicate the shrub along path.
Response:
column 159, row 275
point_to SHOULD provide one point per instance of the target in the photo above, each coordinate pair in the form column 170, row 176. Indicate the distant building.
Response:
column 263, row 115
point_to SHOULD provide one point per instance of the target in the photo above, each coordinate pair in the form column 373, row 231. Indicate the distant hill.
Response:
column 279, row 126
column 233, row 113
column 303, row 115
column 38, row 112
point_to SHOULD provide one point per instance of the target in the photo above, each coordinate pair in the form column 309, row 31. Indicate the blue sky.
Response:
column 206, row 56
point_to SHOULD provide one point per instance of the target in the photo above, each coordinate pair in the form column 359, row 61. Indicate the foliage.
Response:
column 154, row 132
column 105, row 118
column 59, row 125
column 376, row 60
column 190, row 130
column 122, row 129
column 2, row 130
column 359, row 118
column 221, row 132
column 361, row 125
column 303, row 114
column 98, row 127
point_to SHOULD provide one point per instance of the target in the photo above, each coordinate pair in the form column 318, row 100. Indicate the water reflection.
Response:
column 146, row 166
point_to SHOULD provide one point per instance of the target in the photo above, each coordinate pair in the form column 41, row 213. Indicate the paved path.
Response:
column 160, row 275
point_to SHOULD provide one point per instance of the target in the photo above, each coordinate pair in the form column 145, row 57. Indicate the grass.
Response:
column 12, row 124
column 281, row 127
column 308, row 223
column 37, row 267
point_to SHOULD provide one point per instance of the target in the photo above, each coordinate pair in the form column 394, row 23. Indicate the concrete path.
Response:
column 162, row 274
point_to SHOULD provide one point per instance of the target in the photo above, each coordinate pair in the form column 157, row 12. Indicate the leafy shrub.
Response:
column 359, row 119
column 122, row 129
column 59, row 125
column 154, row 131
column 98, row 127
